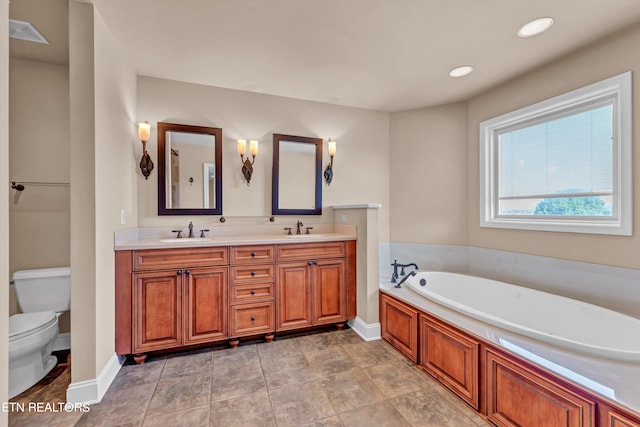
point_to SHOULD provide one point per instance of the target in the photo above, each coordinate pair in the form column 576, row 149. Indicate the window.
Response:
column 563, row 164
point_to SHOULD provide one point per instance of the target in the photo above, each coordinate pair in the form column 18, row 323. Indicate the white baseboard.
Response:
column 368, row 332
column 62, row 342
column 92, row 391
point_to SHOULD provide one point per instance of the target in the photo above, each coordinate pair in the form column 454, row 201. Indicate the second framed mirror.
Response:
column 297, row 175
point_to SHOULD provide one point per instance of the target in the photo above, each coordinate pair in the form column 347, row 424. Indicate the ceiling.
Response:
column 387, row 55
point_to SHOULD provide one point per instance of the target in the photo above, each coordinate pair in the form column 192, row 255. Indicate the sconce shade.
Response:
column 328, row 172
column 242, row 146
column 253, row 147
column 332, row 148
column 144, row 130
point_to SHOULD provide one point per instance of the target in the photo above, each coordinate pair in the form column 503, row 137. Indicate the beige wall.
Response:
column 115, row 174
column 4, row 206
column 39, row 151
column 428, row 175
column 608, row 57
column 103, row 136
column 361, row 165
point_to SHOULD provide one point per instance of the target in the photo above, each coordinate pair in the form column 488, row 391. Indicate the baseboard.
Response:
column 62, row 342
column 368, row 332
column 92, row 391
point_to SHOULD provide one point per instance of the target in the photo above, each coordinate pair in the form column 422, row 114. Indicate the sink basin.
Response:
column 187, row 240
column 305, row 236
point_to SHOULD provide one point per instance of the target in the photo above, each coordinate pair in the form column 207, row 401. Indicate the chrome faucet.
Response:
column 298, row 225
column 191, row 229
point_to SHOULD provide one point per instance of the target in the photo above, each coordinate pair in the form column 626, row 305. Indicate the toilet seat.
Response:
column 25, row 324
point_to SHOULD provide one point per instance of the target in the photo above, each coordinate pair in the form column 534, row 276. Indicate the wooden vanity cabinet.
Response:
column 311, row 286
column 252, row 287
column 179, row 298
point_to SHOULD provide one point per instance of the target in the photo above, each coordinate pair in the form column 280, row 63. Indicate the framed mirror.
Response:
column 189, row 170
column 297, row 175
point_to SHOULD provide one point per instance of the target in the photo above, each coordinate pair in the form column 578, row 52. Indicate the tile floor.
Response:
column 325, row 379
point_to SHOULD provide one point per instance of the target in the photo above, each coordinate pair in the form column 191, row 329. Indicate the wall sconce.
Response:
column 328, row 172
column 247, row 165
column 146, row 165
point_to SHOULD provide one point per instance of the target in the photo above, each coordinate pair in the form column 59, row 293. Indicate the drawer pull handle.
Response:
column 253, row 318
column 253, row 254
column 253, row 292
column 253, row 273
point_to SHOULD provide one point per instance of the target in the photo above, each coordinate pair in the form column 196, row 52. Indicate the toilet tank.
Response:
column 43, row 289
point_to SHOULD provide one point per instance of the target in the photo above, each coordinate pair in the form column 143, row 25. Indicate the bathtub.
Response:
column 565, row 322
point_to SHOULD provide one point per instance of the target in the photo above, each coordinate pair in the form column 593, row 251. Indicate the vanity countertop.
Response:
column 235, row 240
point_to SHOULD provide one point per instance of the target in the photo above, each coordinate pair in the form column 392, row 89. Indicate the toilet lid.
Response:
column 21, row 325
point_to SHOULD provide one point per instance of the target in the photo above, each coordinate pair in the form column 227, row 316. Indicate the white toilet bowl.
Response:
column 31, row 337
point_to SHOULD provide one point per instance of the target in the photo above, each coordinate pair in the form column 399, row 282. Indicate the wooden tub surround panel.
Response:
column 503, row 388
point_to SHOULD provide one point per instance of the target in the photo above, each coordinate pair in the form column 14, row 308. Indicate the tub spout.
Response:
column 395, row 265
column 404, row 279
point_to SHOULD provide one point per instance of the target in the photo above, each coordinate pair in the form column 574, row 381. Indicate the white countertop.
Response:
column 254, row 239
column 614, row 381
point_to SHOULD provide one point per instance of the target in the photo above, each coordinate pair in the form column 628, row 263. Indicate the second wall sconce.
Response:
column 146, row 165
column 247, row 165
column 328, row 172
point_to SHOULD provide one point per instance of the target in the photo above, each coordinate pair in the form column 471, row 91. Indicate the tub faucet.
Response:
column 394, row 276
column 191, row 229
column 404, row 279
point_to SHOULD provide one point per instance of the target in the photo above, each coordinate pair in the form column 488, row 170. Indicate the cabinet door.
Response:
column 329, row 292
column 399, row 325
column 517, row 396
column 206, row 304
column 451, row 357
column 293, row 295
column 157, row 311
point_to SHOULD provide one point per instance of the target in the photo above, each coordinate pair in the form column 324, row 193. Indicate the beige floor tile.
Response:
column 381, row 414
column 325, row 422
column 252, row 410
column 242, row 354
column 302, row 403
column 192, row 417
column 287, row 370
column 175, row 394
column 189, row 364
column 350, row 390
column 330, row 361
column 236, row 379
column 131, row 375
column 368, row 353
column 395, row 378
column 285, row 347
column 427, row 408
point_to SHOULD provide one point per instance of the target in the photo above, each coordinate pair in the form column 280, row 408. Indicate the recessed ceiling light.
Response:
column 461, row 71
column 535, row 27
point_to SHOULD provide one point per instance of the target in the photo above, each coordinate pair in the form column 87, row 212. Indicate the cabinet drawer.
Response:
column 252, row 292
column 253, row 273
column 305, row 251
column 163, row 259
column 252, row 254
column 251, row 319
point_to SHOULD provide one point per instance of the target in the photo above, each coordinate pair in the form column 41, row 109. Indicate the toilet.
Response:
column 43, row 295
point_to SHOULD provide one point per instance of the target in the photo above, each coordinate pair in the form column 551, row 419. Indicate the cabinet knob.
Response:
column 253, row 292
column 315, row 262
column 309, row 262
column 253, row 273
column 253, row 254
column 187, row 271
column 253, row 317
column 179, row 272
